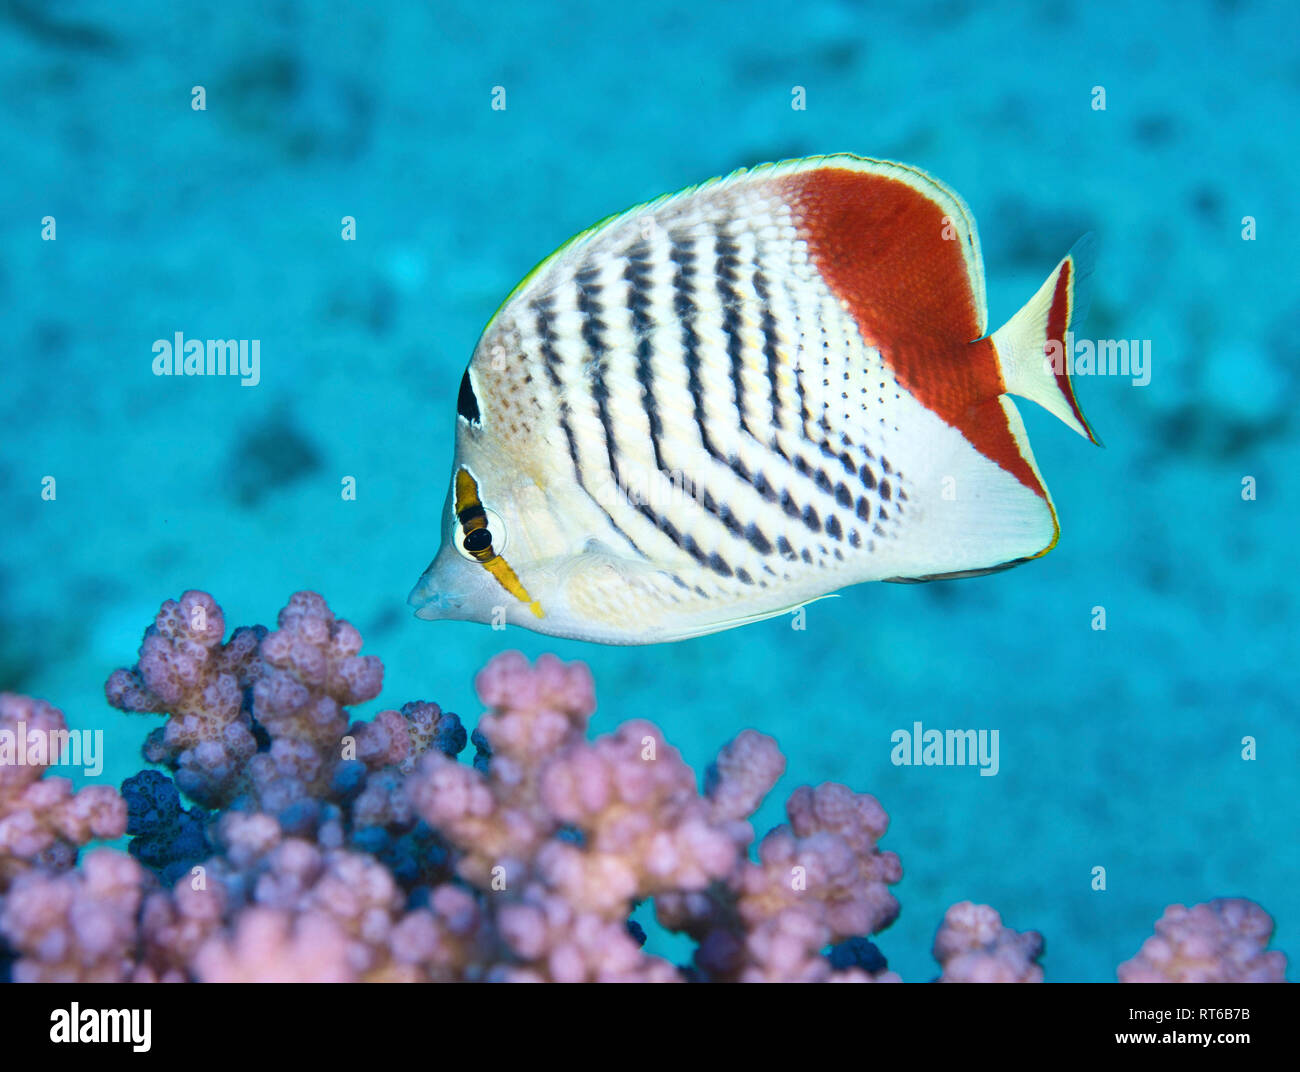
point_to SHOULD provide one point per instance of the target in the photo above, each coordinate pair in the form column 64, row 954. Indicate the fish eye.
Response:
column 472, row 543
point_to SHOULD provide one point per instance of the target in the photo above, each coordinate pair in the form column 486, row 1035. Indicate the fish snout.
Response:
column 433, row 599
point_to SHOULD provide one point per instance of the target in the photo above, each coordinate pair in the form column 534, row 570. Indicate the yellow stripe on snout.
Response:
column 469, row 512
column 500, row 569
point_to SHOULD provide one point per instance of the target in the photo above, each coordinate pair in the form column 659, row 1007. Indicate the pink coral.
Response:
column 645, row 829
column 275, row 946
column 186, row 671
column 313, row 670
column 300, row 677
column 569, row 833
column 973, row 946
column 498, row 819
column 367, row 852
column 446, row 941
column 1222, row 941
column 819, row 880
column 743, row 774
column 42, row 821
column 398, row 738
column 555, row 942
column 78, row 926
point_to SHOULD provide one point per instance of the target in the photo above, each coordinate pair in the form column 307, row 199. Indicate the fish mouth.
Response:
column 430, row 604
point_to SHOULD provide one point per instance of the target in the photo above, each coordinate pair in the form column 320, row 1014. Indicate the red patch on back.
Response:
column 879, row 244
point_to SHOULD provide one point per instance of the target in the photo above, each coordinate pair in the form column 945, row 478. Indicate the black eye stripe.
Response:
column 471, row 514
column 466, row 402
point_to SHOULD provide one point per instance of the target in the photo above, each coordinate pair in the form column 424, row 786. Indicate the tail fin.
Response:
column 1031, row 346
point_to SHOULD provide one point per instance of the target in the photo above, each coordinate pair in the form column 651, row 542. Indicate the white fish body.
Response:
column 728, row 402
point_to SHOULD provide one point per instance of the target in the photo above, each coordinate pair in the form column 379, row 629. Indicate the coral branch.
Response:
column 973, row 946
column 322, row 850
column 1222, row 941
column 42, row 821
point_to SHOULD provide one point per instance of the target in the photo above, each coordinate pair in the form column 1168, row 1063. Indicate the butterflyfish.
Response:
column 723, row 404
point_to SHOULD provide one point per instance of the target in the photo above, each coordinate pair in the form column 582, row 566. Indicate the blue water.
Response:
column 1119, row 748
